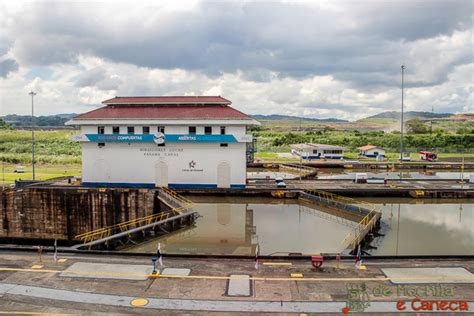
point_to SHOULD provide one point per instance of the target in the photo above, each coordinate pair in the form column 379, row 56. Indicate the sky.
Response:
column 316, row 59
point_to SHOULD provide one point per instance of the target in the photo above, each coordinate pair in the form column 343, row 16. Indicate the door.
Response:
column 223, row 175
column 161, row 174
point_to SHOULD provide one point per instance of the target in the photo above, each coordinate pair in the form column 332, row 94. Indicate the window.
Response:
column 192, row 129
column 161, row 129
column 100, row 130
column 207, row 130
column 224, row 145
column 115, row 130
column 131, row 130
column 146, row 129
column 222, row 130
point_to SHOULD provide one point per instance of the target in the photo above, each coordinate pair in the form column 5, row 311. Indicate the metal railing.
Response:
column 327, row 216
column 367, row 223
column 174, row 199
column 371, row 214
column 297, row 169
column 179, row 205
column 121, row 227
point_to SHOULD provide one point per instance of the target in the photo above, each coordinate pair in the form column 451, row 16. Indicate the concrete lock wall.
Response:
column 176, row 164
column 58, row 213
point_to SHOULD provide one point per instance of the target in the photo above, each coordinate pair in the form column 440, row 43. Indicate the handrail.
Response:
column 300, row 169
column 100, row 233
column 176, row 196
column 367, row 222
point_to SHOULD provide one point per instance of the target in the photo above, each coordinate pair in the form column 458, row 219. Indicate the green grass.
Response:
column 42, row 172
column 51, row 147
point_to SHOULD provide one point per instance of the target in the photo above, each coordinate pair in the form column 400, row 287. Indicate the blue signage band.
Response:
column 171, row 138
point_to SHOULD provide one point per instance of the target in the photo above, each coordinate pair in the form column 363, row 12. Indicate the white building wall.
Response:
column 134, row 163
column 371, row 152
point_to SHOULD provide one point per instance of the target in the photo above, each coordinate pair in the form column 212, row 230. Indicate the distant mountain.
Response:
column 18, row 121
column 409, row 115
column 287, row 117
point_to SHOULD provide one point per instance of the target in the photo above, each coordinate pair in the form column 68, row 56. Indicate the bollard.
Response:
column 153, row 260
column 40, row 252
column 317, row 261
column 338, row 260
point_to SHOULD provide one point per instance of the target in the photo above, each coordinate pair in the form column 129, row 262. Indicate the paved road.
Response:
column 29, row 285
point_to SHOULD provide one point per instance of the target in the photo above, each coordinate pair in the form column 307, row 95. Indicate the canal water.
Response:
column 236, row 225
column 425, row 227
column 339, row 174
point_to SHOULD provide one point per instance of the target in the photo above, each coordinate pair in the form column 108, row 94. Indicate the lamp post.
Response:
column 401, row 121
column 33, row 132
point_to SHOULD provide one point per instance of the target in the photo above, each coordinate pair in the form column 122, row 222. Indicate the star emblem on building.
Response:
column 192, row 164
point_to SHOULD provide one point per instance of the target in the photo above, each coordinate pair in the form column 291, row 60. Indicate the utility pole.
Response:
column 431, row 121
column 33, row 132
column 401, row 121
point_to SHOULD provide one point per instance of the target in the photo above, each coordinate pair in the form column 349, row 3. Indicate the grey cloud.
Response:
column 363, row 44
column 414, row 19
column 90, row 77
column 7, row 66
column 98, row 77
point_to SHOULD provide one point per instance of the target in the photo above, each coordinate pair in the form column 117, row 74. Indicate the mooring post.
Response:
column 153, row 260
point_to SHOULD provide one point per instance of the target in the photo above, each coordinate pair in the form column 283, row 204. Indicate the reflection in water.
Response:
column 416, row 228
column 236, row 228
column 390, row 175
column 236, row 225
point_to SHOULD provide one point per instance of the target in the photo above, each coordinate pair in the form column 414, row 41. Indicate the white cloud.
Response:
column 321, row 59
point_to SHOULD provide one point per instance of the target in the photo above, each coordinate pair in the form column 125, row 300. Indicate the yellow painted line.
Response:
column 250, row 186
column 362, row 268
column 214, row 277
column 37, row 266
column 29, row 270
column 62, row 260
column 139, row 302
column 277, row 264
column 296, row 275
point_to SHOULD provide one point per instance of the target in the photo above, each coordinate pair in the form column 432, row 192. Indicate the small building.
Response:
column 371, row 151
column 180, row 142
column 317, row 151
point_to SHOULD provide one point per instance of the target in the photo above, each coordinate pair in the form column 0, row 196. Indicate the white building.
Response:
column 317, row 151
column 371, row 151
column 188, row 141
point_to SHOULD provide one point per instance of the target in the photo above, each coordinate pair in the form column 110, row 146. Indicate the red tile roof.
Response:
column 164, row 112
column 169, row 100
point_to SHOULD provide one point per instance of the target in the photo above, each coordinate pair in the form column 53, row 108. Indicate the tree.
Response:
column 416, row 126
column 4, row 125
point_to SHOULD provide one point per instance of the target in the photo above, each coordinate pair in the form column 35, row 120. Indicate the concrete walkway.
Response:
column 192, row 305
column 88, row 284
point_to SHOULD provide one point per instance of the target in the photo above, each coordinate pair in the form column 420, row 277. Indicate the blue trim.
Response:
column 162, row 138
column 152, row 185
